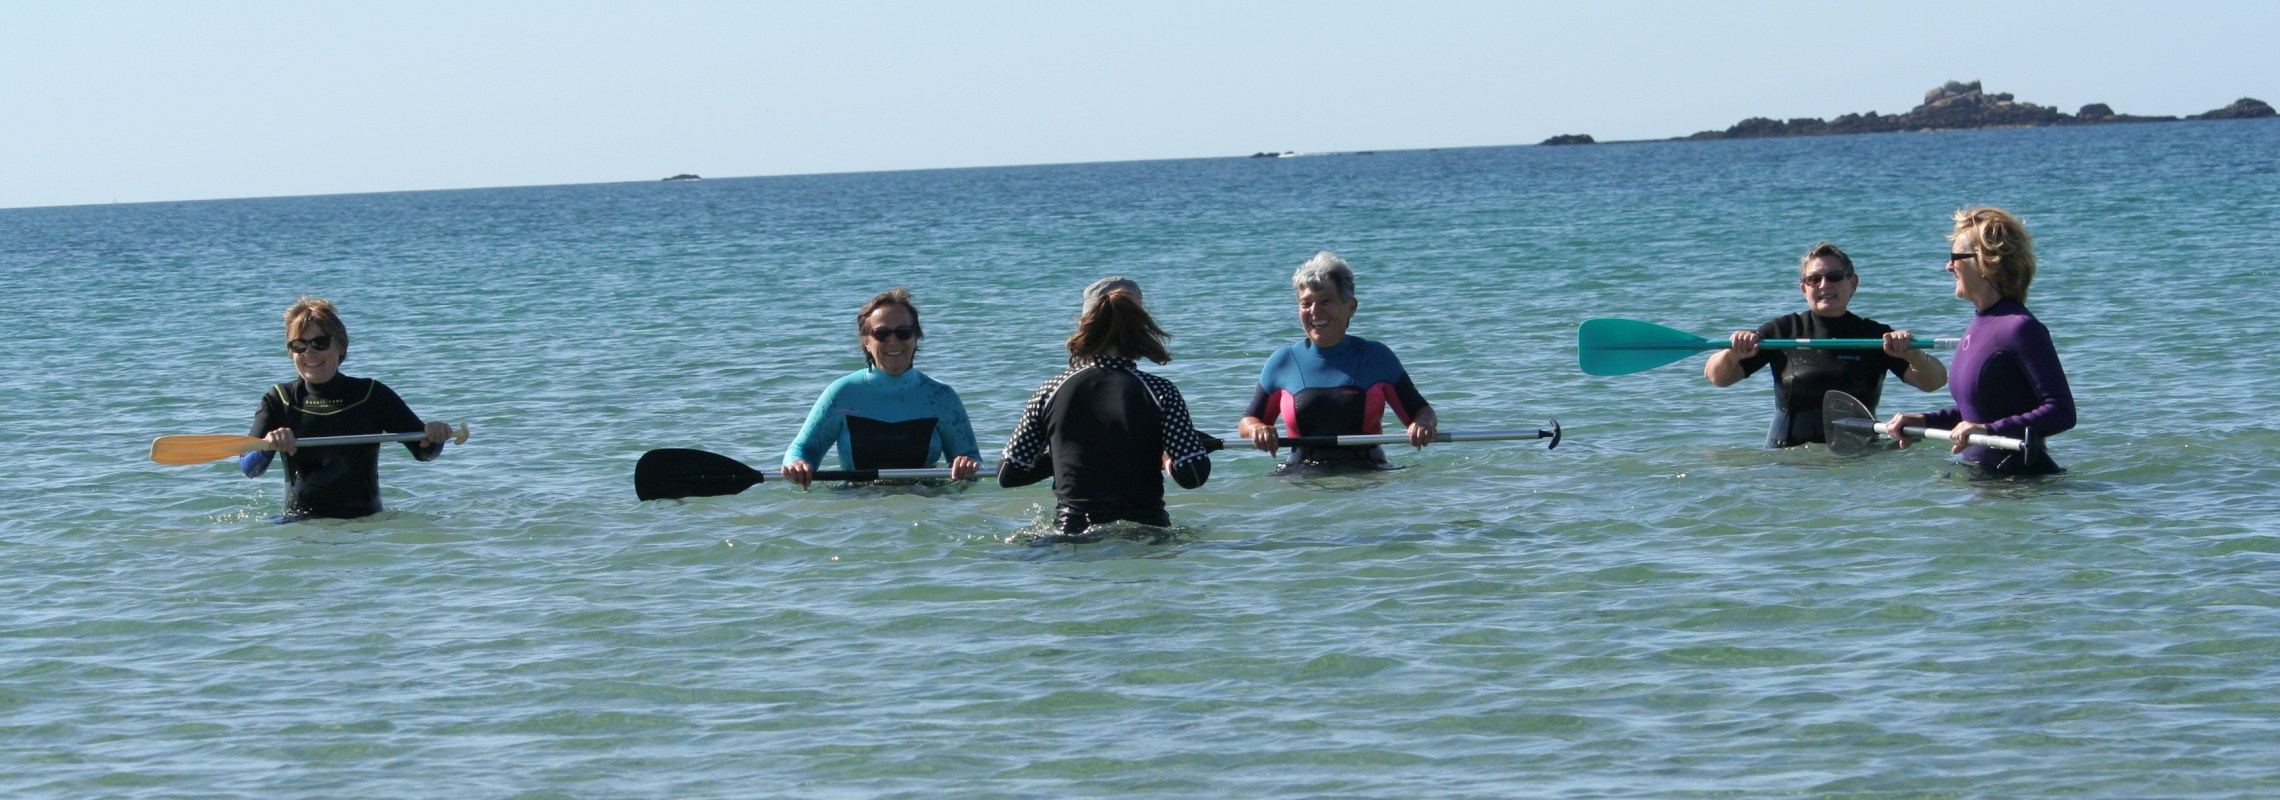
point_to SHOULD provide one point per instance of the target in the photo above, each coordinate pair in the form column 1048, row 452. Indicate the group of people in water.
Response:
column 1107, row 432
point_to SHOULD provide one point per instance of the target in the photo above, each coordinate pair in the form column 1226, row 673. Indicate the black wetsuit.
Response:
column 1802, row 377
column 1100, row 431
column 343, row 480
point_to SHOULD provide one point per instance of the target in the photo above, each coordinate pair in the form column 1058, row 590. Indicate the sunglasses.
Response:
column 904, row 332
column 319, row 343
column 1955, row 257
column 1824, row 278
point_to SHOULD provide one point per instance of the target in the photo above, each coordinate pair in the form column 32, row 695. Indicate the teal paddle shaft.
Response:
column 1608, row 346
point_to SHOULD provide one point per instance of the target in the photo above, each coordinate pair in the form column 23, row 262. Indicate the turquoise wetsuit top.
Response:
column 882, row 421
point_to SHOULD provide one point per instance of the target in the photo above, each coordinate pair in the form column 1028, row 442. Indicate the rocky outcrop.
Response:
column 2244, row 108
column 1570, row 138
column 685, row 177
column 1960, row 106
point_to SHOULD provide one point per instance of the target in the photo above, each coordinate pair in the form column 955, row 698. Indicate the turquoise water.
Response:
column 1658, row 608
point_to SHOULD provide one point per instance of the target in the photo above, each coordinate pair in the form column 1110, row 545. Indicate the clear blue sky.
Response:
column 104, row 101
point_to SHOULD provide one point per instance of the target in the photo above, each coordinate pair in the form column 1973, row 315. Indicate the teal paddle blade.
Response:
column 1608, row 346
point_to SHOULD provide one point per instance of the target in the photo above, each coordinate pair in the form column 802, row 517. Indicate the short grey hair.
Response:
column 1325, row 272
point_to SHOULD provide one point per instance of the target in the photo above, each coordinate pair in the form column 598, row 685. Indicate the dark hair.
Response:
column 897, row 296
column 1119, row 322
column 1827, row 251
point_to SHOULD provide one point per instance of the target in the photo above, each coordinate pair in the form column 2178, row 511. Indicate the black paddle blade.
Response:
column 1555, row 434
column 674, row 473
column 1847, row 423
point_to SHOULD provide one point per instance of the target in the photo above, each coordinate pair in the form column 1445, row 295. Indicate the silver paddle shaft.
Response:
column 1980, row 439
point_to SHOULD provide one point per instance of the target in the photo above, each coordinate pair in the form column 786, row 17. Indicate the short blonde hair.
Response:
column 2006, row 254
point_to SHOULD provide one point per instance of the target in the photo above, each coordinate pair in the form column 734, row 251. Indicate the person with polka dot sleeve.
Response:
column 1104, row 431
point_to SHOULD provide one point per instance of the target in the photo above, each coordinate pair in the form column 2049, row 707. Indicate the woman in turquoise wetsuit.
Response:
column 1333, row 384
column 886, row 415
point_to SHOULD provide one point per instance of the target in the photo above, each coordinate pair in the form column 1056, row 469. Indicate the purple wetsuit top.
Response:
column 2006, row 376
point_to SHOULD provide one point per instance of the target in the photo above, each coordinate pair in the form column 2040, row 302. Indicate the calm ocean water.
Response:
column 1658, row 608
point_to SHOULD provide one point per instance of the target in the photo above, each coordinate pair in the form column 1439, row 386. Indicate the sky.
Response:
column 104, row 101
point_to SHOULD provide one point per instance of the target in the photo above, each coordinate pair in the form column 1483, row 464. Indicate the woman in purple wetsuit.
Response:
column 1333, row 384
column 2005, row 376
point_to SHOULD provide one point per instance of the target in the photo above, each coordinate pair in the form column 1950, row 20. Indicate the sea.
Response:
column 1658, row 608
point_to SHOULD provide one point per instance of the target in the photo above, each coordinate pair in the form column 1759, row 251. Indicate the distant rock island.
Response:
column 684, row 177
column 1570, row 138
column 1960, row 106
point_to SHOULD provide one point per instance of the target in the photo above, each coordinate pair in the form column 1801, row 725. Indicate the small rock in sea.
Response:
column 2244, row 108
column 1571, row 138
column 684, row 177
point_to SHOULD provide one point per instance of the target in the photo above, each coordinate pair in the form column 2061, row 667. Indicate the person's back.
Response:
column 1107, row 435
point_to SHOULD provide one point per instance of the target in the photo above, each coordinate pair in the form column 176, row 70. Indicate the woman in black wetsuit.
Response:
column 1104, row 431
column 344, row 480
column 1801, row 377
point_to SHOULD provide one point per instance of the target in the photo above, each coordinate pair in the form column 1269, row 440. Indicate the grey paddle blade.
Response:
column 1847, row 423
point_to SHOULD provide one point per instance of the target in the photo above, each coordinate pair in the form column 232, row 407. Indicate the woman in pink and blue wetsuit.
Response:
column 1333, row 384
column 2005, row 375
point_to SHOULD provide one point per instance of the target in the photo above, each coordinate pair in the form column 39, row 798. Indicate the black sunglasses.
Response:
column 1955, row 257
column 899, row 332
column 1824, row 278
column 319, row 343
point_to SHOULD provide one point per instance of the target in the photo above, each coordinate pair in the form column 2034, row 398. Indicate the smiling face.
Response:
column 1828, row 286
column 895, row 353
column 1964, row 265
column 313, row 364
column 1324, row 316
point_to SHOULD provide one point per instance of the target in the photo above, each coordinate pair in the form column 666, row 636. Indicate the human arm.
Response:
column 2052, row 411
column 1724, row 368
column 1028, row 457
column 396, row 417
column 1187, row 453
column 1924, row 370
column 818, row 433
column 1894, row 428
column 1258, row 424
column 1418, row 415
column 1261, row 433
column 956, row 434
column 1423, row 426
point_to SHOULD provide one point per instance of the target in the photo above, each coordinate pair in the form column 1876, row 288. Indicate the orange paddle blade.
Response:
column 200, row 449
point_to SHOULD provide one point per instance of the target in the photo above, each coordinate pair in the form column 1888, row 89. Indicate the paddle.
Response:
column 199, row 449
column 1364, row 440
column 1609, row 346
column 674, row 473
column 1849, row 426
